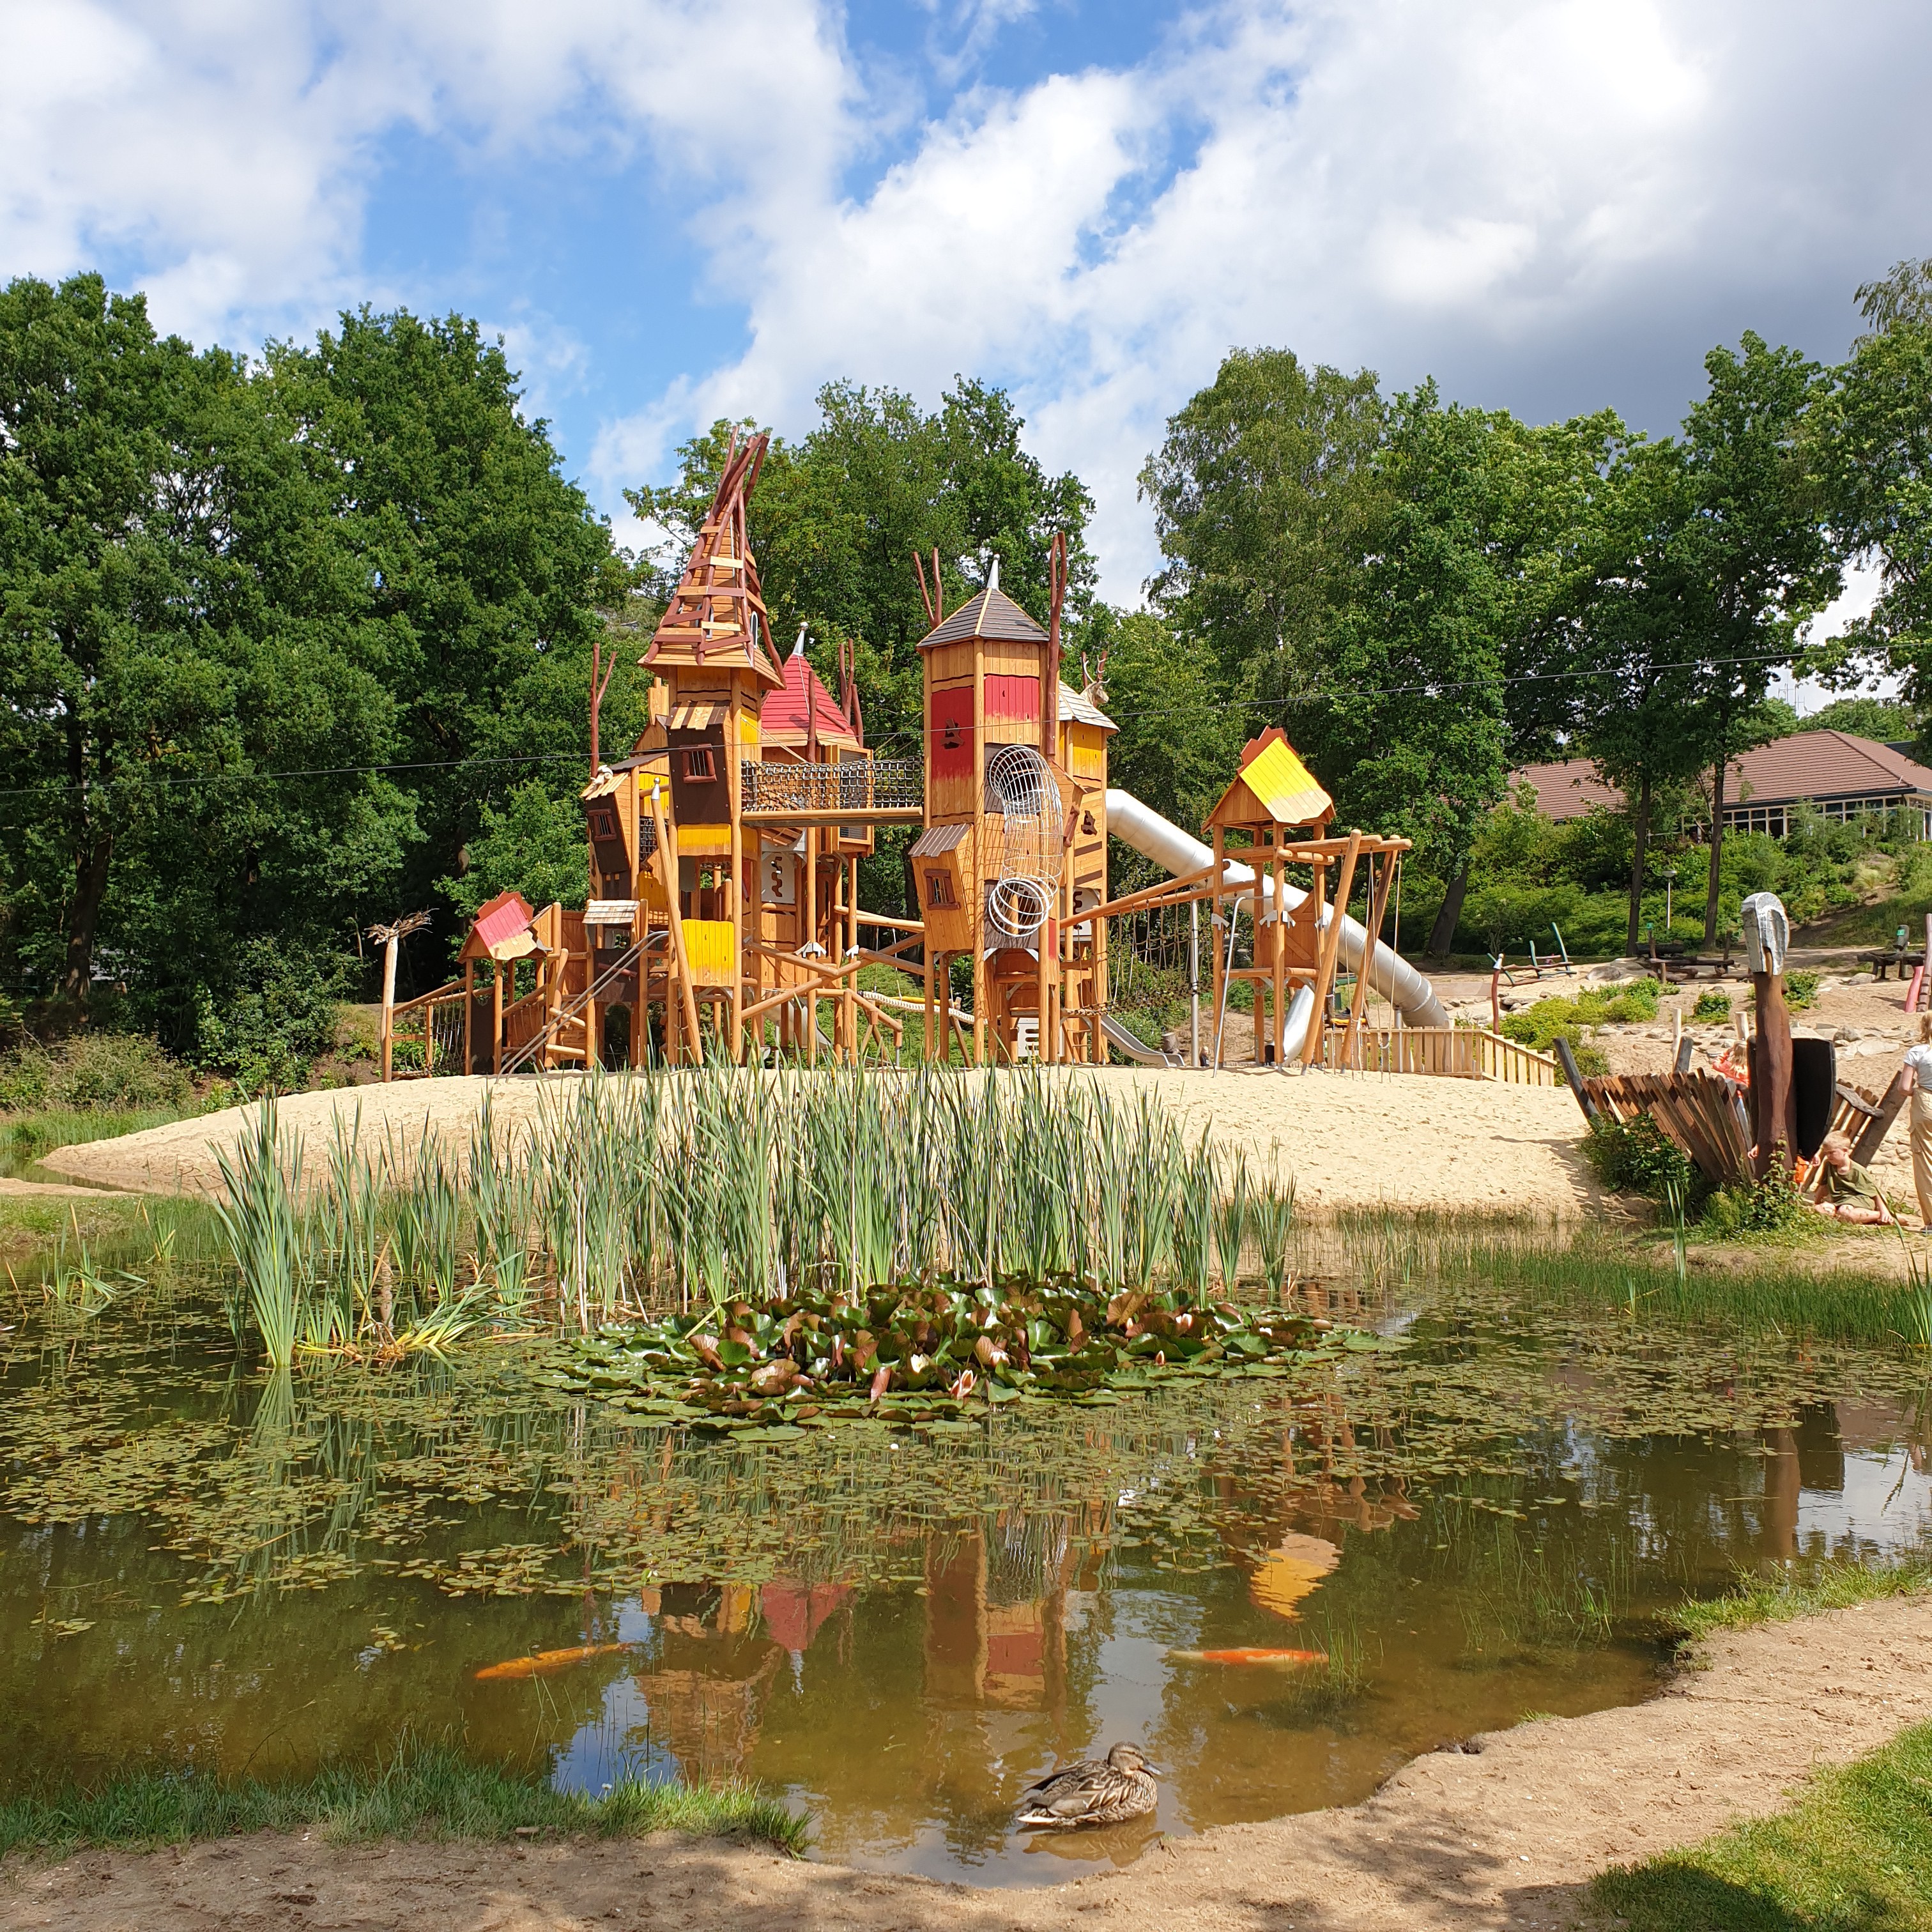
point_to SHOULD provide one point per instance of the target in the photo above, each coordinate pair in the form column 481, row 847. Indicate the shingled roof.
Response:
column 1816, row 765
column 992, row 613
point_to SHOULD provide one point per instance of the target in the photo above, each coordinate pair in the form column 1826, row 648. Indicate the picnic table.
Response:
column 1883, row 961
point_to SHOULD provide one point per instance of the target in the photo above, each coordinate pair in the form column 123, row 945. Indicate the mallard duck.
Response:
column 1096, row 1791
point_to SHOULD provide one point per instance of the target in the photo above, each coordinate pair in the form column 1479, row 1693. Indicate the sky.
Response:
column 675, row 211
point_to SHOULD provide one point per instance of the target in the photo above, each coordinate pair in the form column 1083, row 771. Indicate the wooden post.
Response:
column 1378, row 904
column 1331, row 951
column 1218, row 952
column 1773, row 1103
column 681, row 960
column 1193, row 984
column 496, row 1016
column 468, row 1007
column 389, row 993
column 1279, row 990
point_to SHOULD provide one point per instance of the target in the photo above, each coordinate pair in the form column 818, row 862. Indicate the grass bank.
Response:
column 1799, row 1593
column 1853, row 1855
column 428, row 1793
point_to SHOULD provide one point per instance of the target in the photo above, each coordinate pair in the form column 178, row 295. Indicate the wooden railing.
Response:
column 426, row 1034
column 1463, row 1053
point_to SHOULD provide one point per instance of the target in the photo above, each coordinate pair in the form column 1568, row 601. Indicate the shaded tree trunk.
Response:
column 90, row 888
column 1640, row 851
column 1716, row 852
column 1444, row 931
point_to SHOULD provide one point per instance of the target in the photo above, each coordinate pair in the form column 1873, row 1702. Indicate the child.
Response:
column 1850, row 1193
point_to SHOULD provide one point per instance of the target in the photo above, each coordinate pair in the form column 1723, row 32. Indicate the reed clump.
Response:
column 675, row 1191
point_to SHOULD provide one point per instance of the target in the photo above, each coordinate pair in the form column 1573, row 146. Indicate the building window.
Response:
column 698, row 767
column 939, row 894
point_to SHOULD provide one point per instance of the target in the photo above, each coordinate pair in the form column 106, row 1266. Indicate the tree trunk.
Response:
column 1640, row 851
column 90, row 888
column 1717, row 853
column 1444, row 931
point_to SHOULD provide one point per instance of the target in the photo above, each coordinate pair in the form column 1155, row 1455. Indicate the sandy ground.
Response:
column 1350, row 1140
column 1505, row 1832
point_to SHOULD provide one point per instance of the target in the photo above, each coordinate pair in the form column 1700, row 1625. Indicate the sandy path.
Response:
column 1505, row 1834
column 1350, row 1140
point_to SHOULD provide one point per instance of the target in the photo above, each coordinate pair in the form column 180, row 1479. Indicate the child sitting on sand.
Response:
column 1848, row 1192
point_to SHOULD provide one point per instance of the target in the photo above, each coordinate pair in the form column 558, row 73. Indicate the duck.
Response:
column 1096, row 1791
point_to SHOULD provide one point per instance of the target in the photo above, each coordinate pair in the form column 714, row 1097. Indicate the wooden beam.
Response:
column 665, row 863
column 1331, row 951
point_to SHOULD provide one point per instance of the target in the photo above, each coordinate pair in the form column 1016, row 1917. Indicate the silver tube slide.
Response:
column 1173, row 850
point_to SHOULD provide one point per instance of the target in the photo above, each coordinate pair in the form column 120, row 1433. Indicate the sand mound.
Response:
column 1350, row 1140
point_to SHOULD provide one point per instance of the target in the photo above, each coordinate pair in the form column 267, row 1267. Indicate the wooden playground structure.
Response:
column 724, row 915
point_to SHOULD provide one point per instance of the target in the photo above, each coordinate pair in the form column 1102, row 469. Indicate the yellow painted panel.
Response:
column 748, row 732
column 1086, row 751
column 703, row 841
column 707, row 945
column 1285, row 786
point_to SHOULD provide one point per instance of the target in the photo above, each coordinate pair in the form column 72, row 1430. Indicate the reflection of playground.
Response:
column 721, row 1647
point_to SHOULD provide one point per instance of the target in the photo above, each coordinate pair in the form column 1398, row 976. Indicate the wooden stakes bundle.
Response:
column 1702, row 1113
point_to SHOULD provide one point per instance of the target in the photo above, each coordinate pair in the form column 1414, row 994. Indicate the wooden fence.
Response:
column 1462, row 1053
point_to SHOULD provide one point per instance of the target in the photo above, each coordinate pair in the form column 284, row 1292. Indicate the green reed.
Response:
column 702, row 1186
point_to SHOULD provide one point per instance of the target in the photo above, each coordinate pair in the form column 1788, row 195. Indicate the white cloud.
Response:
column 1553, row 204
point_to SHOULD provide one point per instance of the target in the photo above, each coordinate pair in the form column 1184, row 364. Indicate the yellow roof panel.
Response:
column 1284, row 787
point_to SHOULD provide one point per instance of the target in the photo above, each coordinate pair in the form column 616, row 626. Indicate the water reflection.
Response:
column 903, row 1632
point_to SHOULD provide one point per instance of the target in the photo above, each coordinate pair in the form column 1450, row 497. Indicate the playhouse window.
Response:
column 939, row 891
column 949, row 738
column 698, row 768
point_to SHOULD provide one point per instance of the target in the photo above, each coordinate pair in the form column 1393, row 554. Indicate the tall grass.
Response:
column 701, row 1187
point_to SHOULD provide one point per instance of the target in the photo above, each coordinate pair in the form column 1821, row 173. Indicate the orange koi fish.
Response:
column 543, row 1662
column 1248, row 1656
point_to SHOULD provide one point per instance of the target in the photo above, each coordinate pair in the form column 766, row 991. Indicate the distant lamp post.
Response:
column 1669, row 883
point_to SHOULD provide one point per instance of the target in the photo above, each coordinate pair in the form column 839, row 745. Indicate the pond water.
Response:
column 200, row 1565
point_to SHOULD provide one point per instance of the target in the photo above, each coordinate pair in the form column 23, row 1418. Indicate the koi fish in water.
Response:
column 1248, row 1656
column 541, row 1663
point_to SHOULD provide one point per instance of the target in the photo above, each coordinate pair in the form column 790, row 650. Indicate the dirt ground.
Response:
column 1350, row 1140
column 1503, row 1831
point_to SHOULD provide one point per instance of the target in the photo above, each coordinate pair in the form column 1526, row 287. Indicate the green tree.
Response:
column 1755, row 558
column 485, row 568
column 1888, row 720
column 1879, row 437
column 1265, row 490
column 180, row 622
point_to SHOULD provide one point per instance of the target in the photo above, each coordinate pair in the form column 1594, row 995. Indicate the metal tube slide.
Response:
column 1163, row 841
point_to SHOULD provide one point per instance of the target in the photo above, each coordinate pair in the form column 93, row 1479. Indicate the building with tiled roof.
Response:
column 1842, row 775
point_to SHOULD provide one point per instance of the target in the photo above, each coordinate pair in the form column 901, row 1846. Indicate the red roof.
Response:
column 1813, row 765
column 502, row 918
column 783, row 718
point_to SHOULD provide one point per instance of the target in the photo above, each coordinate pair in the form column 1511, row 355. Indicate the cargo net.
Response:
column 1020, row 787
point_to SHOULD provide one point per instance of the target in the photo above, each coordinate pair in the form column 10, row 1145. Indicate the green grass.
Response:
column 424, row 1792
column 1757, row 1600
column 1853, row 1855
column 24, row 1138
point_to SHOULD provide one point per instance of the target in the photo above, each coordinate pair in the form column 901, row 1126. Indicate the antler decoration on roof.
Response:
column 717, row 616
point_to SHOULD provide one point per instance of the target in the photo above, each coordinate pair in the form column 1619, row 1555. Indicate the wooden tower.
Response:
column 1014, row 843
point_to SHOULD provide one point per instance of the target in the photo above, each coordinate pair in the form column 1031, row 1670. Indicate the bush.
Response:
column 1801, row 989
column 1766, row 1207
column 93, row 1072
column 281, row 1016
column 1563, row 1017
column 1636, row 1156
column 1711, row 1007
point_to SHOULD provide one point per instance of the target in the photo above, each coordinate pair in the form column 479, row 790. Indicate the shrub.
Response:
column 1711, row 1007
column 1636, row 1156
column 1801, row 989
column 93, row 1072
column 282, row 1014
column 1766, row 1207
column 1563, row 1017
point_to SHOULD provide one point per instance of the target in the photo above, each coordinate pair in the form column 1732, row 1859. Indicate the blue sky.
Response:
column 672, row 211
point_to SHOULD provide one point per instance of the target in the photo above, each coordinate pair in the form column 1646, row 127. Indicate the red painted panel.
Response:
column 949, row 734
column 1009, row 697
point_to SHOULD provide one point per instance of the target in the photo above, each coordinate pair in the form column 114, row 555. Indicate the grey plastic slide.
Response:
column 1173, row 850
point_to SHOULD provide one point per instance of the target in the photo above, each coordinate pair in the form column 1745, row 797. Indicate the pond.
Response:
column 202, row 1565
